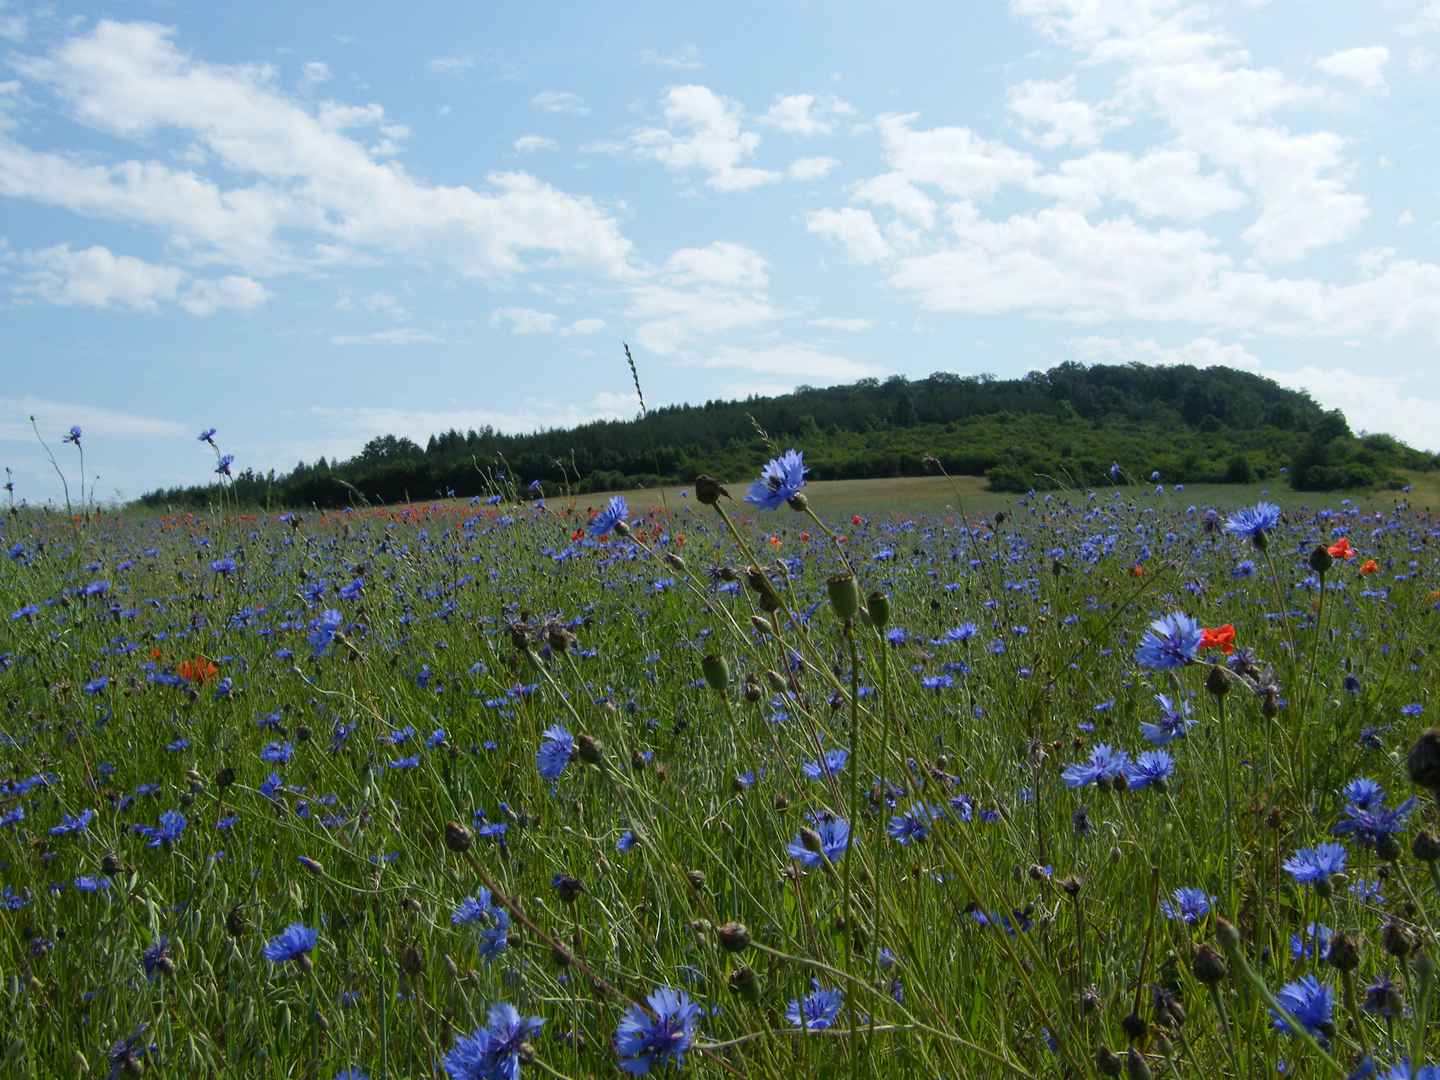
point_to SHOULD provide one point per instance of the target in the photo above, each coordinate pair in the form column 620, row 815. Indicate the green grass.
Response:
column 451, row 620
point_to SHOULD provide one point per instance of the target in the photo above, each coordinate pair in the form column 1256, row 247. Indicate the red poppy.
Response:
column 197, row 670
column 1221, row 637
column 805, row 536
column 1371, row 567
column 1136, row 571
column 855, row 520
column 1342, row 550
column 775, row 541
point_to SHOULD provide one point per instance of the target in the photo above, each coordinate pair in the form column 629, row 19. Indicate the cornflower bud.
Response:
column 734, row 937
column 1320, row 559
column 746, row 984
column 1423, row 762
column 457, row 837
column 1218, row 681
column 589, row 749
column 1207, row 965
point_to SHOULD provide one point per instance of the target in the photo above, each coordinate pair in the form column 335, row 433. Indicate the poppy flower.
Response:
column 1220, row 637
column 197, row 670
column 1371, row 567
column 1342, row 550
column 806, row 537
column 1136, row 571
column 775, row 541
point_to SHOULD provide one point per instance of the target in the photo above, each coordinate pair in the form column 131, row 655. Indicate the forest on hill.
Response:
column 1062, row 428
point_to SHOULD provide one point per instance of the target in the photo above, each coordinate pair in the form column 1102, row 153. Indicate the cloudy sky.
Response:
column 308, row 224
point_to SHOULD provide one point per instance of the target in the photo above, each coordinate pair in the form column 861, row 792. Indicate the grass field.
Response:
column 376, row 792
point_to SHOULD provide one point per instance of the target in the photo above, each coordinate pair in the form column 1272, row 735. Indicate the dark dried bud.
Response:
column 304, row 733
column 1107, row 1062
column 696, row 878
column 111, row 865
column 1270, row 704
column 1320, row 559
column 1387, row 848
column 1396, row 940
column 1218, row 681
column 716, row 672
column 562, row 958
column 1071, row 885
column 746, row 984
column 734, row 937
column 708, row 490
column 225, row 777
column 559, row 637
column 782, row 803
column 1135, row 1065
column 1344, row 954
column 844, row 596
column 1207, row 965
column 1425, row 847
column 458, row 838
column 412, row 961
column 589, row 749
column 568, row 888
column 753, row 693
column 1134, row 1026
column 235, row 922
column 1423, row 764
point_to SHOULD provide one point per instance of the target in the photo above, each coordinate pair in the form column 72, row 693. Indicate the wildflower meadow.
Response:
column 1104, row 783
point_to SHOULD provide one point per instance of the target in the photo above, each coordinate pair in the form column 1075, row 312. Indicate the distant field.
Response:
column 932, row 495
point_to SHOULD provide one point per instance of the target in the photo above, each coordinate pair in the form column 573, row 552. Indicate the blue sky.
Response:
column 309, row 224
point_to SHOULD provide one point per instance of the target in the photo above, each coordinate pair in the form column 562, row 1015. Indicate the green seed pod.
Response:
column 1218, row 681
column 745, row 983
column 716, row 672
column 878, row 604
column 1320, row 559
column 844, row 596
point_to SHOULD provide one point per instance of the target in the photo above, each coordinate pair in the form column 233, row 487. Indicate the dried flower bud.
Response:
column 1344, row 954
column 675, row 561
column 1136, row 1067
column 1423, row 763
column 1425, row 847
column 457, row 837
column 1207, row 965
column 708, row 490
column 1134, row 1026
column 225, row 777
column 753, row 693
column 696, row 878
column 589, row 749
column 235, row 922
column 412, row 961
column 778, row 683
column 1107, row 1062
column 1396, row 940
column 734, row 937
column 1320, row 559
column 1218, row 681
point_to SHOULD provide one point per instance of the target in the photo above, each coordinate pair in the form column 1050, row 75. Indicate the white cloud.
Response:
column 1371, row 402
column 54, row 418
column 400, row 336
column 714, row 140
column 583, row 326
column 96, row 277
column 1164, row 183
column 13, row 27
column 364, row 423
column 1420, row 59
column 205, row 297
column 854, row 230
column 523, row 320
column 835, row 323
column 1053, row 105
column 811, row 168
column 1203, row 352
column 1365, row 66
column 450, row 65
column 954, row 159
column 561, row 101
column 702, row 293
column 799, row 360
column 316, row 71
column 721, row 263
column 308, row 180
column 528, row 144
column 806, row 114
column 684, row 60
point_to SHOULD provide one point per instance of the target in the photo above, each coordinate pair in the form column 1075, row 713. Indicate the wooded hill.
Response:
column 1064, row 427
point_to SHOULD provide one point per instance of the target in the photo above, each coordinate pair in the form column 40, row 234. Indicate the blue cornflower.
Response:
column 1191, row 905
column 70, row 825
column 1171, row 642
column 1173, row 723
column 127, row 1057
column 411, row 762
column 223, row 467
column 495, row 940
column 1105, row 764
column 323, row 632
column 628, row 842
column 1310, row 1004
column 1316, row 942
column 13, row 816
column 555, row 752
column 472, row 909
column 1412, row 710
column 779, row 481
column 73, row 435
column 95, row 588
column 208, row 435
column 896, row 635
column 1364, row 792
column 832, row 763
column 834, row 835
column 351, row 1072
column 817, row 1010
column 1314, row 866
column 1153, row 767
column 1351, row 683
column 224, row 567
column 292, row 943
column 493, row 1052
column 277, row 752
column 352, row 591
column 154, row 957
column 168, row 833
column 1382, row 998
column 643, row 1042
column 958, row 635
column 912, row 825
column 1254, row 523
column 435, row 738
column 95, row 686
column 1372, row 825
column 1401, row 1071
column 937, row 682
column 606, row 520
column 92, row 884
column 1245, row 568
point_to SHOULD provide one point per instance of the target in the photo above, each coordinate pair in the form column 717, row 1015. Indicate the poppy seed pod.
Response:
column 716, row 671
column 708, row 490
column 1320, row 559
column 844, row 596
column 1218, row 681
column 878, row 604
column 1423, row 762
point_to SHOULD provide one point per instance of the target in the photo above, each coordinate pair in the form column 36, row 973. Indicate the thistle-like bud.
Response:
column 761, row 624
column 111, row 865
column 1071, row 885
column 1135, row 1065
column 733, row 937
column 1107, row 1062
column 844, row 596
column 589, row 749
column 235, row 922
column 675, row 561
column 558, row 636
column 1218, row 681
column 708, row 490
column 1387, row 848
column 1425, row 966
column 304, row 733
column 457, row 837
column 568, row 888
column 798, row 501
column 1134, row 1026
column 622, row 528
column 1227, row 935
column 1425, row 847
column 810, row 840
column 753, row 693
column 778, row 682
column 1344, row 954
column 1260, row 540
column 696, row 878
column 1270, row 704
column 1423, row 762
column 225, row 777
column 1320, row 559
column 412, row 961
column 1207, row 965
column 767, row 597
column 878, row 604
column 746, row 984
column 716, row 672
